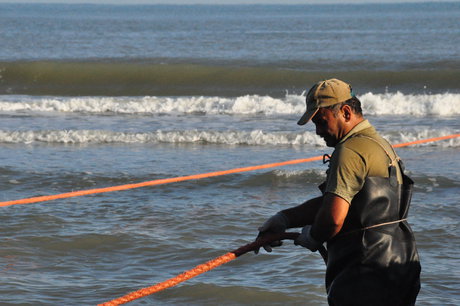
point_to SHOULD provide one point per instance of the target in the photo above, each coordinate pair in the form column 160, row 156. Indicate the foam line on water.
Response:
column 446, row 104
column 254, row 137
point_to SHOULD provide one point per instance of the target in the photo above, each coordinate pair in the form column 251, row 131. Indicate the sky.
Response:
column 217, row 1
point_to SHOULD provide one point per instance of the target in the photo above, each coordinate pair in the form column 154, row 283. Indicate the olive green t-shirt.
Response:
column 355, row 158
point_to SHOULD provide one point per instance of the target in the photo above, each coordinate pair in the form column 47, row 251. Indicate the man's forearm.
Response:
column 304, row 213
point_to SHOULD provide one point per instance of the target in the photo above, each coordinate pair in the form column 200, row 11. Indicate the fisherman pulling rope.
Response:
column 362, row 211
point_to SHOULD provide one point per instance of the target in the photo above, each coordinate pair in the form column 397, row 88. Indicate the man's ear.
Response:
column 346, row 112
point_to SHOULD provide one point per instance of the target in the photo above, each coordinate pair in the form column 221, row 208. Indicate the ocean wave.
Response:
column 255, row 137
column 446, row 104
column 155, row 105
column 108, row 77
column 281, row 176
column 410, row 136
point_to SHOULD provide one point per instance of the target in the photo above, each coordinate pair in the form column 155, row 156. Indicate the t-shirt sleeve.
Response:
column 347, row 173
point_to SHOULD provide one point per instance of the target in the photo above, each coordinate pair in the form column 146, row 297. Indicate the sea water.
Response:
column 95, row 96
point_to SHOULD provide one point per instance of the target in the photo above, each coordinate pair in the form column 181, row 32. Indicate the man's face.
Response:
column 329, row 126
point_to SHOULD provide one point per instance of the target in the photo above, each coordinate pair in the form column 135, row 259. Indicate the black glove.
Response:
column 307, row 241
column 276, row 224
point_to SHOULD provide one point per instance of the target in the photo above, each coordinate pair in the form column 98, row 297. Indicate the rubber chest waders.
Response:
column 374, row 259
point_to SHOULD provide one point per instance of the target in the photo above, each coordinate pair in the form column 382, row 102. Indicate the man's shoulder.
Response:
column 364, row 140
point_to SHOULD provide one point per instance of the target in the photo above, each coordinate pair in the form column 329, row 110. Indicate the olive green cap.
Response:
column 323, row 94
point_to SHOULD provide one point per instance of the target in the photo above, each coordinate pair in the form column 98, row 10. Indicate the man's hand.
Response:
column 276, row 224
column 306, row 240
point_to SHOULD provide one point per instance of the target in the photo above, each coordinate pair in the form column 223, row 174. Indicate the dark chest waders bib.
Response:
column 374, row 260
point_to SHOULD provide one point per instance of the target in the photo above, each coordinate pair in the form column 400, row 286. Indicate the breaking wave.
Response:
column 446, row 104
column 108, row 77
column 255, row 137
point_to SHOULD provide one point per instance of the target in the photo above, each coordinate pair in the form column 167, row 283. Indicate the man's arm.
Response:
column 297, row 216
column 330, row 217
column 327, row 214
column 304, row 213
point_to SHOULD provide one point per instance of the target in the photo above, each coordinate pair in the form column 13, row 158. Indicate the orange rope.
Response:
column 155, row 182
column 192, row 177
column 426, row 140
column 198, row 269
column 173, row 281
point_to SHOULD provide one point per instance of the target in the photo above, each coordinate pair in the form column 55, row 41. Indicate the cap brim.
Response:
column 307, row 116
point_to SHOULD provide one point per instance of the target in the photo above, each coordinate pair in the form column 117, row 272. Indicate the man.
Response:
column 361, row 215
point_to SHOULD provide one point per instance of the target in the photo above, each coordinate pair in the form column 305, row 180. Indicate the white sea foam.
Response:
column 446, row 104
column 283, row 173
column 408, row 136
column 255, row 137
